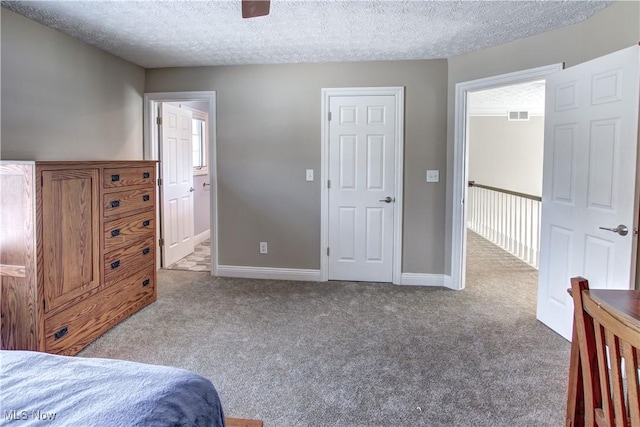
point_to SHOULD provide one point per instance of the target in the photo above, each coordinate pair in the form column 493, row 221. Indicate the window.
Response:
column 199, row 138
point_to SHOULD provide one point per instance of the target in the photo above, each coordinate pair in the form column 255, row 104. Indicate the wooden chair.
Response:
column 608, row 348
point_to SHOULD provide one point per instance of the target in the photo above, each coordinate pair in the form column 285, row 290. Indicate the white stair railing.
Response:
column 507, row 218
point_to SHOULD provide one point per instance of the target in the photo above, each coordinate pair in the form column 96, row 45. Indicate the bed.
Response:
column 75, row 391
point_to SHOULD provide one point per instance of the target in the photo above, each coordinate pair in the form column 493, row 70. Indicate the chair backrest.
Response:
column 609, row 352
column 584, row 388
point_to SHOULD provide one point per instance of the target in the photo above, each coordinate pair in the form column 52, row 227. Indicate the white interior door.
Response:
column 177, row 183
column 591, row 136
column 362, row 174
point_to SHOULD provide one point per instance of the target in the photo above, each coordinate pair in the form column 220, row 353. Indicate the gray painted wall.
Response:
column 196, row 105
column 202, row 195
column 507, row 154
column 201, row 204
column 268, row 122
column 612, row 29
column 65, row 100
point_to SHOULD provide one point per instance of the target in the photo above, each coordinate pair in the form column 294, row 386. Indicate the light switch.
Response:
column 309, row 174
column 433, row 176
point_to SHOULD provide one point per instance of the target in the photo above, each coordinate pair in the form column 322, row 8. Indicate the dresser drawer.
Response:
column 122, row 232
column 122, row 177
column 127, row 201
column 123, row 262
column 69, row 331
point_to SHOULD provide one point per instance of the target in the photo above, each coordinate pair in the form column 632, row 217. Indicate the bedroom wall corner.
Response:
column 63, row 99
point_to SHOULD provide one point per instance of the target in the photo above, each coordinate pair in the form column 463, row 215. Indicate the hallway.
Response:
column 489, row 266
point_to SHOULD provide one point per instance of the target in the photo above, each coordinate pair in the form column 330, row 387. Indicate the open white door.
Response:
column 177, row 183
column 591, row 136
column 362, row 195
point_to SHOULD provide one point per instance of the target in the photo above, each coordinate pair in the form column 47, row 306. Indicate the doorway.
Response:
column 461, row 164
column 505, row 152
column 505, row 140
column 589, row 169
column 362, row 166
column 200, row 160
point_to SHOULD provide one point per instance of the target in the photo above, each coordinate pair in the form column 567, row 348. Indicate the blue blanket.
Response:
column 44, row 389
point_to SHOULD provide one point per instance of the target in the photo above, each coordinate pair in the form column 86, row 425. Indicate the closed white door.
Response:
column 177, row 183
column 591, row 136
column 361, row 196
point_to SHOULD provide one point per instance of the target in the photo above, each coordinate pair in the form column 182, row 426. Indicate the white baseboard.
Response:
column 410, row 279
column 269, row 273
column 419, row 279
column 201, row 237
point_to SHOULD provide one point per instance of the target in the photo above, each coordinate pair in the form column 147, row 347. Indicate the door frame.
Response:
column 461, row 153
column 151, row 152
column 327, row 93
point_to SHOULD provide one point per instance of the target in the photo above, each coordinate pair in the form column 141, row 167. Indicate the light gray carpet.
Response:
column 356, row 354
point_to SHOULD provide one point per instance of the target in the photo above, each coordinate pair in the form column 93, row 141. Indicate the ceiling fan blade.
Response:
column 253, row 8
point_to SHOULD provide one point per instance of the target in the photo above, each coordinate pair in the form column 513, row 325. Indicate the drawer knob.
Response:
column 145, row 198
column 115, row 264
column 146, row 223
column 145, row 282
column 115, row 177
column 115, row 232
column 115, row 203
column 60, row 333
column 145, row 251
column 145, row 175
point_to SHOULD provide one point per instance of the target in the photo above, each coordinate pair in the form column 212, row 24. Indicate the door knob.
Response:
column 192, row 189
column 388, row 199
column 621, row 229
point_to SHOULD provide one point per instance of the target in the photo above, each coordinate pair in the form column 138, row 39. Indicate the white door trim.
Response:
column 460, row 153
column 327, row 93
column 150, row 148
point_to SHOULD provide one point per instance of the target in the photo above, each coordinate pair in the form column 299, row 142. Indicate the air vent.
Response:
column 517, row 116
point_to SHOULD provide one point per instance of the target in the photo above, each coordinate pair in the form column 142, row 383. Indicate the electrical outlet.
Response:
column 433, row 176
column 263, row 247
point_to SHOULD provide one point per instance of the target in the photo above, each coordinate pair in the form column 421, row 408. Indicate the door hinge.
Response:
column 161, row 242
column 327, row 251
column 159, row 120
column 44, row 304
column 159, row 182
column 329, row 183
column 329, row 115
column 41, row 181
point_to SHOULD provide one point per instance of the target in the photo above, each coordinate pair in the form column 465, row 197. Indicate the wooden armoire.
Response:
column 77, row 250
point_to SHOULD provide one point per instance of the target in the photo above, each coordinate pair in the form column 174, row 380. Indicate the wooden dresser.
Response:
column 77, row 250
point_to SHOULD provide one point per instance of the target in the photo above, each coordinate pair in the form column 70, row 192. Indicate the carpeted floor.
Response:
column 357, row 354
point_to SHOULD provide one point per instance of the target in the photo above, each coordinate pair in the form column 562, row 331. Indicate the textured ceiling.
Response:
column 192, row 33
column 497, row 101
